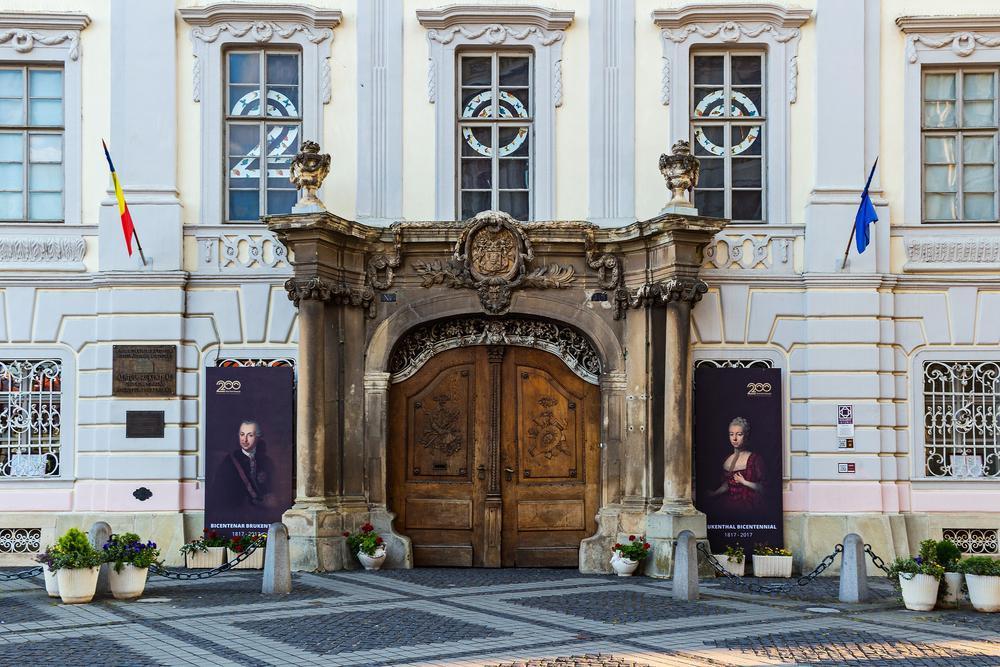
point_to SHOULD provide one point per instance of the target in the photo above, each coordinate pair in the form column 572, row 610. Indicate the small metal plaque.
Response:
column 599, row 296
column 388, row 297
column 846, row 467
column 144, row 423
column 144, row 370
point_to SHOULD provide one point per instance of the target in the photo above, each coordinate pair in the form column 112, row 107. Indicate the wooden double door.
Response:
column 494, row 459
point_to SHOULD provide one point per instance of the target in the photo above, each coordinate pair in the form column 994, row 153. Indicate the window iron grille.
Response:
column 30, row 403
column 254, row 363
column 20, row 540
column 973, row 540
column 961, row 425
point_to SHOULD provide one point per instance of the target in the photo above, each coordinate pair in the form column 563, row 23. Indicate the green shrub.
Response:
column 735, row 554
column 982, row 566
column 209, row 538
column 636, row 549
column 127, row 548
column 948, row 555
column 366, row 541
column 73, row 550
column 765, row 550
column 911, row 566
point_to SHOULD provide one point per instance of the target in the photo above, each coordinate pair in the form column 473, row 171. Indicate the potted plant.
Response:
column 130, row 560
column 919, row 577
column 368, row 546
column 51, row 582
column 77, row 564
column 982, row 576
column 734, row 560
column 947, row 556
column 771, row 561
column 625, row 558
column 240, row 543
column 207, row 551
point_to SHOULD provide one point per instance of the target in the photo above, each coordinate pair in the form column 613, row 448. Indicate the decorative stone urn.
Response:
column 680, row 170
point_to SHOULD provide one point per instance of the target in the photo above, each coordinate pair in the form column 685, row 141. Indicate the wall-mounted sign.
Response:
column 144, row 423
column 845, row 421
column 846, row 467
column 738, row 454
column 845, row 443
column 144, row 370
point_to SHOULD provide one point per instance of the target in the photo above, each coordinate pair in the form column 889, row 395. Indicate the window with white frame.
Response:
column 959, row 128
column 727, row 133
column 30, row 409
column 961, row 419
column 263, row 128
column 494, row 126
column 31, row 143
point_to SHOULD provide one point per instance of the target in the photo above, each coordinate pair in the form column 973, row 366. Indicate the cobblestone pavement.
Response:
column 501, row 618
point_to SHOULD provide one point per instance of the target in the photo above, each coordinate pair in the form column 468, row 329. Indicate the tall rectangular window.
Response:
column 494, row 126
column 258, row 184
column 727, row 128
column 31, row 143
column 959, row 127
column 30, row 406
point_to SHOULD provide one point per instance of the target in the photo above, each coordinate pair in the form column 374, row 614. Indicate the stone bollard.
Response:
column 277, row 563
column 100, row 533
column 853, row 573
column 686, row 567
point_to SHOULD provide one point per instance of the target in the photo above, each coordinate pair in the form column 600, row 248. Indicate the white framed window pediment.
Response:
column 53, row 38
column 220, row 26
column 456, row 27
column 768, row 27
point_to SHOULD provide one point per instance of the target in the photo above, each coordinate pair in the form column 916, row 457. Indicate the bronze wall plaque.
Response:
column 144, row 370
column 144, row 423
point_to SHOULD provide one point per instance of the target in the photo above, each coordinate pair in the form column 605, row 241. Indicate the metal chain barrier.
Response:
column 23, row 574
column 879, row 563
column 225, row 567
column 770, row 589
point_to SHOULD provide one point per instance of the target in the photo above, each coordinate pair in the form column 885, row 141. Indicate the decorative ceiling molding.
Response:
column 25, row 31
column 732, row 23
column 452, row 16
column 963, row 34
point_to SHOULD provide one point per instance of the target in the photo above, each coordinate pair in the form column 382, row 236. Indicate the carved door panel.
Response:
column 550, row 460
column 436, row 419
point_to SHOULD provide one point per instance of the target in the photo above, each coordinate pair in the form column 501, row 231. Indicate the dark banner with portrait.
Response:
column 738, row 452
column 249, row 454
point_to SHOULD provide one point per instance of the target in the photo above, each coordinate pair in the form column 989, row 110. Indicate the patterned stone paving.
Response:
column 505, row 618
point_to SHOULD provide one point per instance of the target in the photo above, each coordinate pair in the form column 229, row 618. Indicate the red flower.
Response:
column 378, row 540
column 617, row 546
column 631, row 538
column 646, row 545
column 367, row 528
column 346, row 534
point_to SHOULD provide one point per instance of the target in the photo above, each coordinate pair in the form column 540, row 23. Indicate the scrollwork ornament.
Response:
column 674, row 290
column 381, row 267
column 311, row 289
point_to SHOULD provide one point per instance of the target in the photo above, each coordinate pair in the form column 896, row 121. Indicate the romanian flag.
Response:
column 127, row 227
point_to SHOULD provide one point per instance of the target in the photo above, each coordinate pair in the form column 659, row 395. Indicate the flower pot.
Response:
column 77, row 585
column 919, row 591
column 51, row 582
column 129, row 583
column 254, row 561
column 772, row 566
column 199, row 560
column 372, row 562
column 954, row 593
column 984, row 592
column 624, row 567
column 731, row 566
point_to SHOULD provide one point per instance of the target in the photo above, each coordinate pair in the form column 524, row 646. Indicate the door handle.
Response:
column 481, row 472
column 510, row 473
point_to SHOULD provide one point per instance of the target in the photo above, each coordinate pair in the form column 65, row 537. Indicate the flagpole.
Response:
column 142, row 255
column 868, row 183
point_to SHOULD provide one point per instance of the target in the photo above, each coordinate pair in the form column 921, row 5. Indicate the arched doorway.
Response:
column 494, row 458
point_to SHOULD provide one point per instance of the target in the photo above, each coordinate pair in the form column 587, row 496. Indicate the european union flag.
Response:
column 865, row 215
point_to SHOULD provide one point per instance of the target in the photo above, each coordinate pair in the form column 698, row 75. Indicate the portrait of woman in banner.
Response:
column 743, row 474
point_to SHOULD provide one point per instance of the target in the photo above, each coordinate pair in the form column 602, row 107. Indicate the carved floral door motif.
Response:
column 494, row 459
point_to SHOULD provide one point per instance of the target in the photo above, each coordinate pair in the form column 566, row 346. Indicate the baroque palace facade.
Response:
column 535, row 128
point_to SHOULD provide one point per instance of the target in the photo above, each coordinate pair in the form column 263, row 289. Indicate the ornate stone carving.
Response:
column 381, row 268
column 309, row 168
column 680, row 171
column 945, row 252
column 25, row 40
column 667, row 291
column 250, row 251
column 610, row 274
column 423, row 342
column 442, row 431
column 42, row 249
column 758, row 251
column 491, row 257
column 547, row 432
column 317, row 289
column 962, row 44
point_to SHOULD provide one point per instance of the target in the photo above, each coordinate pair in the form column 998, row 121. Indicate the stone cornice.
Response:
column 26, row 30
column 668, row 291
column 262, row 18
column 500, row 15
column 731, row 20
column 951, row 23
column 43, row 20
column 319, row 289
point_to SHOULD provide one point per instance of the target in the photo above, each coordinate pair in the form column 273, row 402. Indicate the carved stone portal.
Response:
column 492, row 257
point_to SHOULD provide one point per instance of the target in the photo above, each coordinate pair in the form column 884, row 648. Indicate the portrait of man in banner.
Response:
column 245, row 478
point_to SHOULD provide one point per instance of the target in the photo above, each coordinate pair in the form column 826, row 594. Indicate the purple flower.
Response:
column 920, row 561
